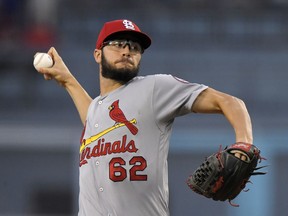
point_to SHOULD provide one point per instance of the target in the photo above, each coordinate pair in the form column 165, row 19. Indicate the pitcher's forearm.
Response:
column 243, row 125
column 237, row 114
column 80, row 97
column 234, row 109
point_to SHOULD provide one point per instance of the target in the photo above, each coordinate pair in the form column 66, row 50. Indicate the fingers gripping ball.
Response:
column 223, row 175
column 42, row 60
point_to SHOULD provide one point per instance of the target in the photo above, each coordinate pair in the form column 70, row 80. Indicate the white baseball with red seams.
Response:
column 42, row 60
column 124, row 148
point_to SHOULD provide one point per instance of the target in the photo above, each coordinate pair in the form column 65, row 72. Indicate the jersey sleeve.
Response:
column 174, row 97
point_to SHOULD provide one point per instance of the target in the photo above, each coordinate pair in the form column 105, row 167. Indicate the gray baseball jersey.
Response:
column 124, row 149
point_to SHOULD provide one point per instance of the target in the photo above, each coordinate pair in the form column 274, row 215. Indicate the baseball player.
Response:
column 125, row 141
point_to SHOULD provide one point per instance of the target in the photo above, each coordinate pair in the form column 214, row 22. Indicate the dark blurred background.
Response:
column 239, row 47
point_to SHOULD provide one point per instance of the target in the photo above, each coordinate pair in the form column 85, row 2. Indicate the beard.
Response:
column 122, row 75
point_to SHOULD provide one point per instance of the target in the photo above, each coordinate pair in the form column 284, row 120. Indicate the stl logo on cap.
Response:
column 122, row 26
column 128, row 24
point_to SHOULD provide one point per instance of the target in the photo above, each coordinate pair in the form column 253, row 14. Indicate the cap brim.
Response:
column 142, row 38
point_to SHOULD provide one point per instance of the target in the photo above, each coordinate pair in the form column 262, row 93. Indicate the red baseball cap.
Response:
column 122, row 27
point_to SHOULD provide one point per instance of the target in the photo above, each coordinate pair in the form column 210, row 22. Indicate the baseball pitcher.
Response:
column 127, row 128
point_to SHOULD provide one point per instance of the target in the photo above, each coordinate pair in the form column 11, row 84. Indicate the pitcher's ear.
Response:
column 97, row 55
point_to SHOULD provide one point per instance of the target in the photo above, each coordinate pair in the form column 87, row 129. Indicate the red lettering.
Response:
column 103, row 148
column 124, row 138
column 107, row 149
column 96, row 150
column 85, row 155
column 117, row 171
column 116, row 147
column 139, row 164
column 131, row 147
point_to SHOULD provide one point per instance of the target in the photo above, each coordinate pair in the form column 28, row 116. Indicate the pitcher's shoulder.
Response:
column 152, row 77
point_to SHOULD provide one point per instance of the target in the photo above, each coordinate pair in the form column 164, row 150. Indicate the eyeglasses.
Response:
column 134, row 47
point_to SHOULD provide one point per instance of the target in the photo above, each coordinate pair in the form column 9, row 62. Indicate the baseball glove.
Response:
column 222, row 176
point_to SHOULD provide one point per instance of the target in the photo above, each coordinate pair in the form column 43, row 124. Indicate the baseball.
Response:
column 42, row 60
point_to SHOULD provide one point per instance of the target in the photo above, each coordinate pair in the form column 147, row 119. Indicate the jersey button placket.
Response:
column 99, row 102
column 97, row 163
column 101, row 189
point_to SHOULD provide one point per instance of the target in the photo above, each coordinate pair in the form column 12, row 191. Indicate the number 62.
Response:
column 117, row 171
